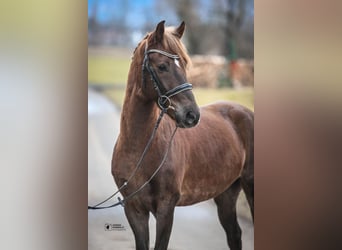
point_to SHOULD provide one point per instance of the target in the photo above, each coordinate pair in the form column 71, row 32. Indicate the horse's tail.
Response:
column 246, row 127
column 247, row 136
column 243, row 119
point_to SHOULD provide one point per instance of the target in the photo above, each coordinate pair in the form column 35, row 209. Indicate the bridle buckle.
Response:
column 164, row 102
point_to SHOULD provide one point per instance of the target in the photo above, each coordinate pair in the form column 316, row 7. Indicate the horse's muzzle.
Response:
column 187, row 119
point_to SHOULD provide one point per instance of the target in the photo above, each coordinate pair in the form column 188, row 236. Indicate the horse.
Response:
column 210, row 155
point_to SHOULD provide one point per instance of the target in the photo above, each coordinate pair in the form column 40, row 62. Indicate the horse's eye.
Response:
column 162, row 67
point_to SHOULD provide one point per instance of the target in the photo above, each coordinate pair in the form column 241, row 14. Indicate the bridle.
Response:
column 164, row 101
column 164, row 104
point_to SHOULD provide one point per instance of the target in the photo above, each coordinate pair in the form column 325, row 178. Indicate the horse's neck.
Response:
column 138, row 119
column 138, row 116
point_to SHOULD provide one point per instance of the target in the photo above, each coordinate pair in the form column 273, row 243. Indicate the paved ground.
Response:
column 195, row 227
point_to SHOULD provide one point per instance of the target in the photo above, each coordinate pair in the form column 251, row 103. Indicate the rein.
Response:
column 122, row 202
column 164, row 104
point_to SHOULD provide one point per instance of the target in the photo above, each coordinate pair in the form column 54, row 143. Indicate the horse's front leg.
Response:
column 164, row 218
column 138, row 220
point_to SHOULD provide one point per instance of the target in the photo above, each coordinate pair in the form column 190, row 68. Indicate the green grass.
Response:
column 243, row 96
column 203, row 96
column 109, row 70
column 116, row 96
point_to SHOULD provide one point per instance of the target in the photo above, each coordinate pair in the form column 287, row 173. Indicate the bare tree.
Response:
column 213, row 27
column 187, row 10
column 235, row 16
column 220, row 26
column 93, row 25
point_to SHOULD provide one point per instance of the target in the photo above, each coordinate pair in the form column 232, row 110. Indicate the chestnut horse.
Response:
column 211, row 155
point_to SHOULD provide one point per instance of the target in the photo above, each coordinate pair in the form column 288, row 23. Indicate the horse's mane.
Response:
column 171, row 44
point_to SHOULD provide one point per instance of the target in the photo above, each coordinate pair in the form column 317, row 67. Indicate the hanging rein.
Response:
column 164, row 104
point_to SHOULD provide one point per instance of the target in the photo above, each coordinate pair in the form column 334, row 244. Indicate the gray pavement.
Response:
column 195, row 227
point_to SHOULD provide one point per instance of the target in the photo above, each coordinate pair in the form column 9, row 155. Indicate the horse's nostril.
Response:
column 190, row 117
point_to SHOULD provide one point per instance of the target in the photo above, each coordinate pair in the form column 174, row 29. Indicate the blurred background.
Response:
column 219, row 37
column 44, row 124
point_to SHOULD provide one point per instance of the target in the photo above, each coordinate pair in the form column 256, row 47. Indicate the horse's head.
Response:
column 164, row 74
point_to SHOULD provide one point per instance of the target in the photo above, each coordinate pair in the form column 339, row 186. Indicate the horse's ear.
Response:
column 159, row 32
column 180, row 30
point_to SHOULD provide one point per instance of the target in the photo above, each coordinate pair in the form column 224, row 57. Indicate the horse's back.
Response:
column 230, row 110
